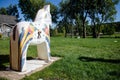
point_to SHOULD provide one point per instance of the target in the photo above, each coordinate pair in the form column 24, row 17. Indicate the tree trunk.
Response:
column 71, row 31
column 94, row 31
column 65, row 34
column 84, row 30
column 79, row 31
column 66, row 30
column 98, row 34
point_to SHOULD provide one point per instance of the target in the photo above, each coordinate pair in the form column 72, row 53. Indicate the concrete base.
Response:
column 33, row 66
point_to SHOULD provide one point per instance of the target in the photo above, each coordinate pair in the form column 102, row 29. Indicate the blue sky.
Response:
column 6, row 3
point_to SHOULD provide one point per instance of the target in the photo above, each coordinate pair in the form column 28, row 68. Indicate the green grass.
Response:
column 82, row 59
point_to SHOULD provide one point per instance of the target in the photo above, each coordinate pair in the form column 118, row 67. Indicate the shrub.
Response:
column 0, row 35
column 59, row 35
column 109, row 30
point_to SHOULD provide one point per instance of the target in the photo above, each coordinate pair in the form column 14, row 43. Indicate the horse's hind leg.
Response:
column 14, row 50
column 19, row 43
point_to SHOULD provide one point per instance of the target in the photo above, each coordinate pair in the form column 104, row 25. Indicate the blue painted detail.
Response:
column 22, row 62
column 24, row 48
column 21, row 36
column 48, row 41
column 35, row 28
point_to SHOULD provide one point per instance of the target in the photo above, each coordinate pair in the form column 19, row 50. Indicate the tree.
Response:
column 10, row 10
column 84, row 7
column 78, row 25
column 13, row 11
column 3, row 11
column 30, row 7
column 76, row 10
column 65, row 24
column 101, row 11
column 67, row 12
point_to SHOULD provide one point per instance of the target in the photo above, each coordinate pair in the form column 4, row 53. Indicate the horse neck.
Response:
column 43, row 21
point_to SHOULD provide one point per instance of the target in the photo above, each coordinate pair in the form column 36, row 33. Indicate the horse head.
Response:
column 43, row 15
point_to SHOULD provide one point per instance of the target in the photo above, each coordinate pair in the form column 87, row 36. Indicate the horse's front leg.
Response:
column 43, row 46
column 43, row 52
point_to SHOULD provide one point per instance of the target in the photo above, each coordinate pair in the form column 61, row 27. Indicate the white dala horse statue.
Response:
column 34, row 33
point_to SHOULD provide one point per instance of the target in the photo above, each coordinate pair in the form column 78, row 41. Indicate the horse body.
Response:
column 34, row 33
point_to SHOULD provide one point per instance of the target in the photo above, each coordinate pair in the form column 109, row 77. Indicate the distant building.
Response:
column 6, row 24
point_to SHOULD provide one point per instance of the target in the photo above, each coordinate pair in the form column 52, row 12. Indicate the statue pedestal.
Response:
column 33, row 66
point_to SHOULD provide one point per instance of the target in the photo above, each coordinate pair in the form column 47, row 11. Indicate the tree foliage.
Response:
column 3, row 11
column 10, row 10
column 77, row 10
column 13, row 11
column 99, row 11
column 67, row 12
column 30, row 7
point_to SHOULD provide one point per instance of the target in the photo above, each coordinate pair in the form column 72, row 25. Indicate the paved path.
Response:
column 33, row 66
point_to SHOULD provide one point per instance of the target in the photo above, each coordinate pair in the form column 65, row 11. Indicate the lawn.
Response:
column 82, row 59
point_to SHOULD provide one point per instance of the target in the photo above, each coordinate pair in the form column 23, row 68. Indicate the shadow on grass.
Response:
column 114, row 73
column 91, row 59
column 4, row 59
column 29, row 58
column 110, row 37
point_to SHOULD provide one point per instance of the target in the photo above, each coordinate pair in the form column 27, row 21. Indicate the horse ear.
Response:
column 47, row 7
